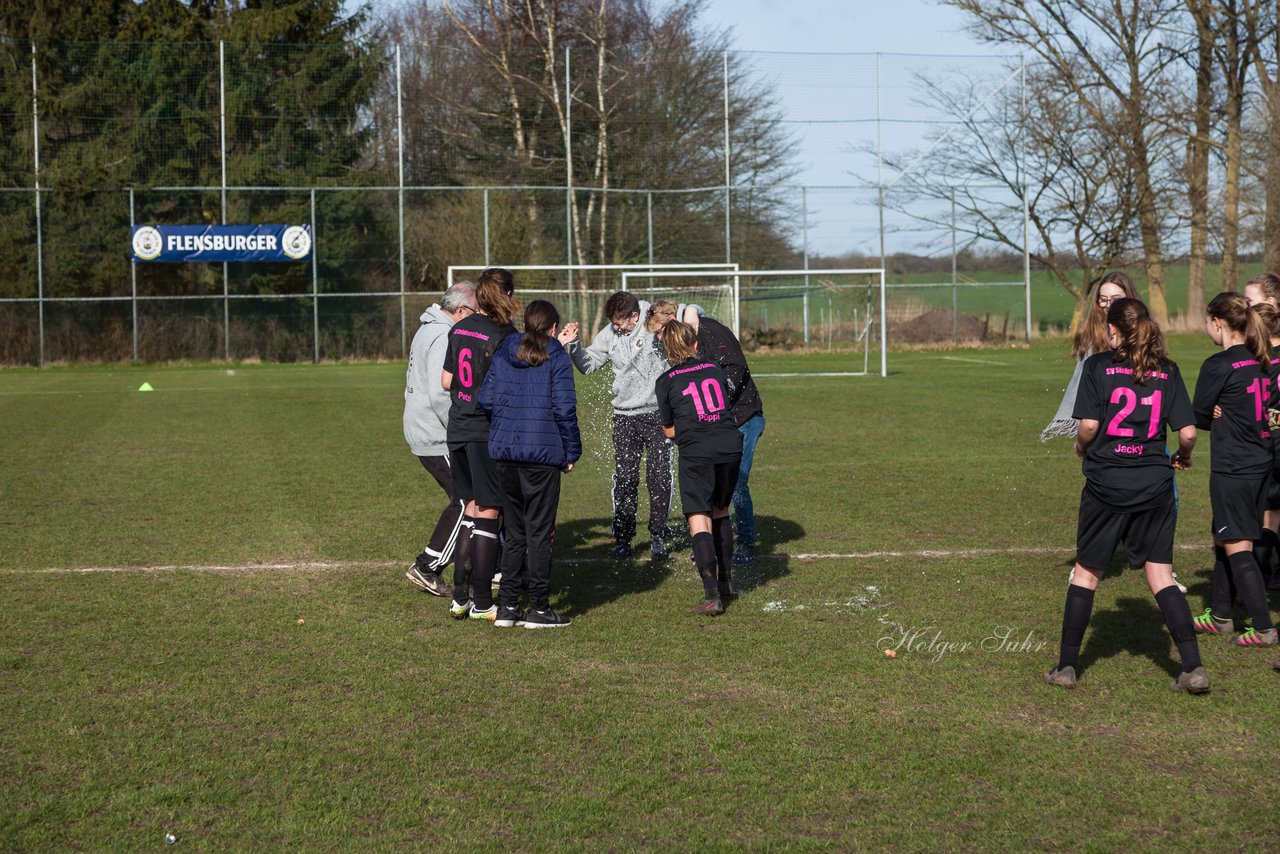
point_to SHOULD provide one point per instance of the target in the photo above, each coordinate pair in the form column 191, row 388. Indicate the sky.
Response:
column 840, row 26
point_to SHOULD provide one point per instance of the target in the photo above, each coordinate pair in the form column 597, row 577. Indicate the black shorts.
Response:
column 475, row 475
column 1273, row 491
column 1238, row 503
column 707, row 485
column 1147, row 534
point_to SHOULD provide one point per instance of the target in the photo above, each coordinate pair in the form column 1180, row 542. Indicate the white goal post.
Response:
column 737, row 275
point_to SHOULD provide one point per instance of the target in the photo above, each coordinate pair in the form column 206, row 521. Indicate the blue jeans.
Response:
column 744, row 515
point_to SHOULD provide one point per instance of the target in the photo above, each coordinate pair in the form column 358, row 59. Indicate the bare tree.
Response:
column 1107, row 57
column 1080, row 189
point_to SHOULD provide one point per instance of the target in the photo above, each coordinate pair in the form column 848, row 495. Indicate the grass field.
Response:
column 177, row 690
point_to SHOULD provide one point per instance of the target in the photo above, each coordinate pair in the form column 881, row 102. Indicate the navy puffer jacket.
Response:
column 533, row 411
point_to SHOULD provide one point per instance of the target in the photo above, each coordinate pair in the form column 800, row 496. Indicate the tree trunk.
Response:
column 1271, row 183
column 1231, row 197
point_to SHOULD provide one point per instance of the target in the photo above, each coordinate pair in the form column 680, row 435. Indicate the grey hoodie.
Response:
column 426, row 403
column 637, row 361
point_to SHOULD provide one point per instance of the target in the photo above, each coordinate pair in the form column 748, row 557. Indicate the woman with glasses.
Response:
column 1090, row 338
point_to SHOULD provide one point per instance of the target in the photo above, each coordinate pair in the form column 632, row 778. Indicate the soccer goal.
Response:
column 579, row 291
column 833, row 308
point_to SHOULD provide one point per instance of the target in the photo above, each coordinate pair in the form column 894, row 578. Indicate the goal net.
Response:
column 840, row 309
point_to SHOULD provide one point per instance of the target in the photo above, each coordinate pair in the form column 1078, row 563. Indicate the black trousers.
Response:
column 633, row 436
column 531, row 496
column 439, row 550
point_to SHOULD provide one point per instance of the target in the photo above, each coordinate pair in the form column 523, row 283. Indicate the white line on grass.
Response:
column 820, row 374
column 310, row 566
column 974, row 361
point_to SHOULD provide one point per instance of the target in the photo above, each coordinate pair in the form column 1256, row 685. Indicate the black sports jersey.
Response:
column 717, row 342
column 472, row 343
column 694, row 398
column 1241, row 439
column 1127, row 465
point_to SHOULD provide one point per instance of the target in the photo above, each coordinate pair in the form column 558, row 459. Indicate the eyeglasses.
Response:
column 1104, row 301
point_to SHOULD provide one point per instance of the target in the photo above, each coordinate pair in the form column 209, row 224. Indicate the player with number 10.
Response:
column 693, row 405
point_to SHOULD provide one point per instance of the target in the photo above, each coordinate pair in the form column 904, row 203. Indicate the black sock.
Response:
column 1222, row 594
column 1177, row 616
column 1075, row 619
column 722, row 530
column 1244, row 570
column 1263, row 551
column 462, row 562
column 704, row 555
column 484, row 562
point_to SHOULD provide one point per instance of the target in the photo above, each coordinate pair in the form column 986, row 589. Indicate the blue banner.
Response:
column 177, row 243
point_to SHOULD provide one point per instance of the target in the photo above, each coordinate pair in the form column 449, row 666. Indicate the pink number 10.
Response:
column 711, row 399
column 1129, row 400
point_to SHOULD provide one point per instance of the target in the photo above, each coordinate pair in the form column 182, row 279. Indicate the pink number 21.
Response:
column 1129, row 400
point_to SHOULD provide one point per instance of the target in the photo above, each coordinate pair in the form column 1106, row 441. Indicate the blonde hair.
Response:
column 660, row 313
column 680, row 341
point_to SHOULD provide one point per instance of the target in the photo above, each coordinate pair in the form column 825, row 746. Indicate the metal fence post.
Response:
column 315, row 284
column 649, row 205
column 1026, row 211
column 955, row 304
column 404, row 343
column 222, row 130
column 486, row 232
column 728, row 199
column 804, row 227
column 568, row 168
column 35, row 138
column 133, row 280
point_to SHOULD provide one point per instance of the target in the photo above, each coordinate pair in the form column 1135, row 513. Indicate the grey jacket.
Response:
column 426, row 403
column 637, row 362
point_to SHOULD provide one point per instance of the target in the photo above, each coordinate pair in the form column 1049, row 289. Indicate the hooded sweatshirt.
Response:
column 533, row 411
column 637, row 361
column 426, row 404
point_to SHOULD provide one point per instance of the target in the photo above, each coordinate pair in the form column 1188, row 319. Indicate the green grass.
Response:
column 189, row 699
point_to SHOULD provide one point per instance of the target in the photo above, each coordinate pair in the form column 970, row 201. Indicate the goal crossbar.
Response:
column 572, row 268
column 738, row 274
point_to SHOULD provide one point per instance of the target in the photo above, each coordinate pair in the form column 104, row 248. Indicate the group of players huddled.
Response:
column 1127, row 392
column 507, row 430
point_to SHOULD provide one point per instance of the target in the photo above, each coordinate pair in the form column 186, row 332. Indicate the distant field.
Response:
column 207, row 633
column 1051, row 305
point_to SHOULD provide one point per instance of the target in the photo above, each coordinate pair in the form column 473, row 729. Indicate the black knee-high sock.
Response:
column 722, row 530
column 1244, row 570
column 704, row 555
column 1222, row 594
column 1075, row 619
column 1177, row 616
column 1264, row 550
column 484, row 562
column 462, row 561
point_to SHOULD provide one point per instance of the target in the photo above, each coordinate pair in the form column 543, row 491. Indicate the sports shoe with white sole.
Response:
column 459, row 610
column 491, row 614
column 509, row 618
column 429, row 581
column 709, row 608
column 1195, row 682
column 1063, row 677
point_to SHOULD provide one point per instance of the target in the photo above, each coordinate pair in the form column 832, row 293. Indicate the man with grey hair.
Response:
column 426, row 420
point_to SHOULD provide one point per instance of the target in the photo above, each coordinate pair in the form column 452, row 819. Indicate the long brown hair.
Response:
column 494, row 287
column 680, row 341
column 1233, row 310
column 540, row 317
column 1271, row 317
column 1091, row 335
column 1141, row 340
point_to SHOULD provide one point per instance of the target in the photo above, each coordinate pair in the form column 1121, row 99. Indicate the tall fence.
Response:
column 792, row 167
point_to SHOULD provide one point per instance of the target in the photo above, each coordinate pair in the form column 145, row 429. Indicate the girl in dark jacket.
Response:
column 533, row 437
